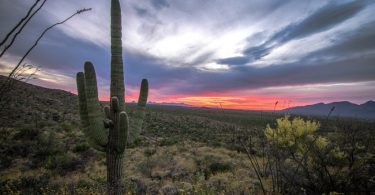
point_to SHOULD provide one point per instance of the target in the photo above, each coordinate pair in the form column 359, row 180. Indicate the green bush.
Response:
column 66, row 126
column 168, row 142
column 81, row 148
column 63, row 163
column 148, row 152
column 217, row 167
column 24, row 185
column 27, row 133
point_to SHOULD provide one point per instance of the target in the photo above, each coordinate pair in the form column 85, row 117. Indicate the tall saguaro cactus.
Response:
column 107, row 129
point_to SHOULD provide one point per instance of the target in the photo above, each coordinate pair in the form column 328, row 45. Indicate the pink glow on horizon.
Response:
column 255, row 100
column 243, row 102
column 214, row 100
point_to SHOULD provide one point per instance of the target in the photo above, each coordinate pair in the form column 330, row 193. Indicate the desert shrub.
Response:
column 139, row 186
column 98, row 179
column 24, row 185
column 137, row 142
column 18, row 143
column 304, row 161
column 46, row 123
column 294, row 150
column 217, row 167
column 218, row 183
column 81, row 147
column 357, row 168
column 90, row 185
column 56, row 117
column 63, row 163
column 66, row 126
column 167, row 166
column 26, row 133
column 45, row 145
column 148, row 152
column 17, row 148
column 145, row 167
column 5, row 162
column 211, row 164
column 167, row 142
column 169, row 189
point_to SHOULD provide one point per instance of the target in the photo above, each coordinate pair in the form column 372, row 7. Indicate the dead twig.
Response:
column 8, row 83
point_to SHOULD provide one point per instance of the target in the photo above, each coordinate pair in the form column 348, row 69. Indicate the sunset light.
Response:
column 246, row 55
column 187, row 97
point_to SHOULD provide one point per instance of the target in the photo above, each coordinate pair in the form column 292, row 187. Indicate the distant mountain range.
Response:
column 171, row 104
column 166, row 104
column 336, row 109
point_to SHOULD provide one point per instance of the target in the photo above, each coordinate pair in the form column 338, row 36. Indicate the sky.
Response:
column 236, row 54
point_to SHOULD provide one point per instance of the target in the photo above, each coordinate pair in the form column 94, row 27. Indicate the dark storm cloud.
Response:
column 234, row 60
column 240, row 77
column 140, row 66
column 187, row 81
column 359, row 42
column 323, row 19
column 65, row 54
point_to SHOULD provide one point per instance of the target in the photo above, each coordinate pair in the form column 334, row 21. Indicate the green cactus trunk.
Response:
column 108, row 130
column 114, row 173
column 117, row 71
column 114, row 157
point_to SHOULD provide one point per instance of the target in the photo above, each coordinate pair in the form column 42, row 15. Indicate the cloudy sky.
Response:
column 240, row 54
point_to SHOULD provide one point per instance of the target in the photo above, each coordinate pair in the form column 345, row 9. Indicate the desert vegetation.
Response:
column 188, row 151
column 56, row 142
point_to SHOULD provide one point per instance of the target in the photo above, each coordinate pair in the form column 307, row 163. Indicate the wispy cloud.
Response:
column 188, row 49
column 323, row 19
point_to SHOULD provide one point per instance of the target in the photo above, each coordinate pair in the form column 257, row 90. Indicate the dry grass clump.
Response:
column 189, row 167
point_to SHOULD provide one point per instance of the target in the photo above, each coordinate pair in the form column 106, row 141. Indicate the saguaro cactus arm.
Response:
column 143, row 94
column 119, row 126
column 123, row 131
column 82, row 99
column 90, row 111
column 139, row 114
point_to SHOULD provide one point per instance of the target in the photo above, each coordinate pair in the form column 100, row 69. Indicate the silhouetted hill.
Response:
column 29, row 104
column 340, row 109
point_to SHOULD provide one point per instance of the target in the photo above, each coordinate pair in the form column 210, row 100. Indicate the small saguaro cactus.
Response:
column 108, row 129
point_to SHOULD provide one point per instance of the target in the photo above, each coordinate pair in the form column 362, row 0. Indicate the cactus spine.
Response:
column 107, row 130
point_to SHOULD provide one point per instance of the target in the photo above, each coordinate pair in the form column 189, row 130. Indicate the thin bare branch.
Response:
column 7, row 83
column 19, row 23
column 20, row 30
